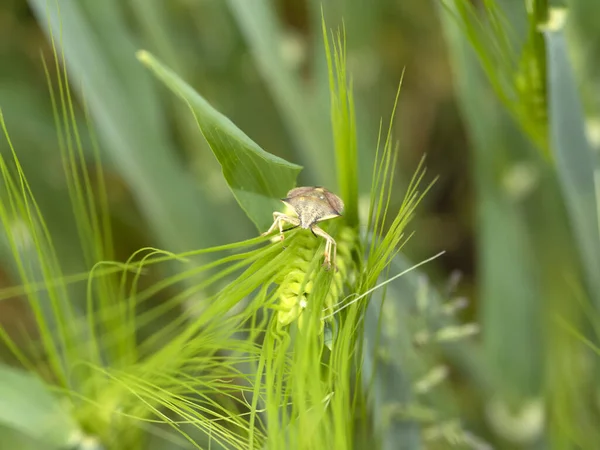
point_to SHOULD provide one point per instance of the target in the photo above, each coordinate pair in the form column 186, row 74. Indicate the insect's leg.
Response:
column 334, row 247
column 328, row 253
column 331, row 253
column 287, row 219
column 279, row 220
column 276, row 222
column 329, row 246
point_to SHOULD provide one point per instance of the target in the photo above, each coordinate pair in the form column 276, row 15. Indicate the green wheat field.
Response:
column 147, row 144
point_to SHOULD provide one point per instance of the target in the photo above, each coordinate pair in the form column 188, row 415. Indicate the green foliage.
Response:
column 258, row 347
column 538, row 216
column 515, row 67
column 265, row 36
column 407, row 326
column 344, row 124
column 254, row 344
column 126, row 110
column 576, row 165
column 257, row 178
column 30, row 408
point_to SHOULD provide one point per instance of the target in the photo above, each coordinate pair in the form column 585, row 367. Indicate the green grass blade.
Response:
column 257, row 179
column 516, row 76
column 508, row 289
column 127, row 113
column 362, row 22
column 584, row 34
column 343, row 122
column 575, row 162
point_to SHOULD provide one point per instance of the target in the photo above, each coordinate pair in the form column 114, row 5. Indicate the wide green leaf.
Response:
column 265, row 36
column 256, row 178
column 575, row 162
column 27, row 406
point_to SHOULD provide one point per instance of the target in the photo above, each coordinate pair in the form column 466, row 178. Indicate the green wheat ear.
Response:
column 315, row 334
column 297, row 281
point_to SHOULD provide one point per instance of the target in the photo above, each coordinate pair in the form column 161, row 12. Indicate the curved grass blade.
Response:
column 257, row 179
column 517, row 78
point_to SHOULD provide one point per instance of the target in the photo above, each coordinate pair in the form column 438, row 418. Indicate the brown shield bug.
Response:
column 311, row 205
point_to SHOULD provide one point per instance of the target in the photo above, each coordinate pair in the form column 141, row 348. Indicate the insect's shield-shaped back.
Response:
column 314, row 204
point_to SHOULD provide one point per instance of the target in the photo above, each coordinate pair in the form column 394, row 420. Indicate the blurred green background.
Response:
column 211, row 47
column 511, row 131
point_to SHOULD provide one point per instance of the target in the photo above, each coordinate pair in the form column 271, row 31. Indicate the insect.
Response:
column 311, row 204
